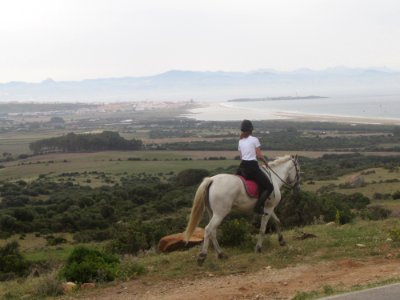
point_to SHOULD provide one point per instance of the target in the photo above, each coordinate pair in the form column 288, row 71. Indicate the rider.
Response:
column 249, row 148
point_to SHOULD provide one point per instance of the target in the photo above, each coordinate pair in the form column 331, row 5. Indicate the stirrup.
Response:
column 259, row 210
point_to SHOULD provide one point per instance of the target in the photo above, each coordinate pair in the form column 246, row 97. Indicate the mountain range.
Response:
column 179, row 85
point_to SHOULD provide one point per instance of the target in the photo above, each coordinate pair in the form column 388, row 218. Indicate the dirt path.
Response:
column 268, row 283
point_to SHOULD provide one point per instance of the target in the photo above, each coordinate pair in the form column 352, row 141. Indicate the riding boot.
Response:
column 259, row 207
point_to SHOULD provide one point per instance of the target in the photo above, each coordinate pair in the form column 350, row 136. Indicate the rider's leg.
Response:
column 266, row 188
column 259, row 207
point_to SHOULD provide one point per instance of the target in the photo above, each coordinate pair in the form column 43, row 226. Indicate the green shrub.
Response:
column 335, row 208
column 136, row 236
column 396, row 195
column 89, row 265
column 302, row 208
column 357, row 200
column 375, row 212
column 53, row 241
column 128, row 238
column 234, row 232
column 95, row 235
column 12, row 263
column 191, row 176
column 298, row 209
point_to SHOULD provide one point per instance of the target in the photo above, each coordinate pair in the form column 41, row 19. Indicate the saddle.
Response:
column 250, row 186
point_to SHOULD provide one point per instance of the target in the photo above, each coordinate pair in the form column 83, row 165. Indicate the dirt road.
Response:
column 268, row 283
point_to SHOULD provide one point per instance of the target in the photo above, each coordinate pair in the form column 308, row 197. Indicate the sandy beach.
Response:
column 226, row 112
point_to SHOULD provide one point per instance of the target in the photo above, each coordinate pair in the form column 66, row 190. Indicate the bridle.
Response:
column 297, row 178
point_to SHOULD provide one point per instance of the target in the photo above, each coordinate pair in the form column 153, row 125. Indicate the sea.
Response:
column 366, row 107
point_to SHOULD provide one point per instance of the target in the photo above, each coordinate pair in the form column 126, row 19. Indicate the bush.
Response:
column 375, row 212
column 396, row 195
column 12, row 263
column 96, row 235
column 89, row 265
column 235, row 232
column 53, row 241
column 23, row 215
column 8, row 223
column 357, row 201
column 298, row 209
column 302, row 208
column 191, row 176
column 128, row 238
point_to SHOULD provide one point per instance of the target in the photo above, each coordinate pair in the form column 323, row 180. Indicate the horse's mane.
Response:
column 279, row 160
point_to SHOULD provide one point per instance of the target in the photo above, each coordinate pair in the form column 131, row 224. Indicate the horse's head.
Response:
column 294, row 174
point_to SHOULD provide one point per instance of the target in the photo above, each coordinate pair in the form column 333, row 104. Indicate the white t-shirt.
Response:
column 247, row 147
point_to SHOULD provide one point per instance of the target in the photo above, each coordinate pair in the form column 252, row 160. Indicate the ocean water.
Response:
column 380, row 107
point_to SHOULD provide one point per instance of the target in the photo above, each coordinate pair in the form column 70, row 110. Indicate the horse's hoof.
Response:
column 222, row 255
column 258, row 249
column 201, row 258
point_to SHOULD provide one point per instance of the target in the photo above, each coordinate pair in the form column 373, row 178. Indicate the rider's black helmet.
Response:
column 246, row 126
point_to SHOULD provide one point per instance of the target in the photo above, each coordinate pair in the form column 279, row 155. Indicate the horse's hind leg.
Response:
column 203, row 254
column 210, row 232
column 264, row 221
column 281, row 240
column 221, row 254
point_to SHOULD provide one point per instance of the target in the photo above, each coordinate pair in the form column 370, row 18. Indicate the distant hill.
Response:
column 184, row 85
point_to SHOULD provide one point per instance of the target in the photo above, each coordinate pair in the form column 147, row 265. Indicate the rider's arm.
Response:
column 260, row 156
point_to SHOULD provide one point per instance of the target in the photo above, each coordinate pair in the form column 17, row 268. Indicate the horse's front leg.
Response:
column 281, row 240
column 264, row 221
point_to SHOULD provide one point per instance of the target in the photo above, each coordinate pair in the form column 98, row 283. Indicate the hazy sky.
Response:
column 77, row 39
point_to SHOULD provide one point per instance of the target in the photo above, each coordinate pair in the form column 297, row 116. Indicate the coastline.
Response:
column 226, row 112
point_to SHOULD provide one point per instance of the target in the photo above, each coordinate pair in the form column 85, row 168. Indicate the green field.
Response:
column 112, row 163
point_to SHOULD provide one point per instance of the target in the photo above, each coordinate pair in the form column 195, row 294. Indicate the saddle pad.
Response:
column 250, row 186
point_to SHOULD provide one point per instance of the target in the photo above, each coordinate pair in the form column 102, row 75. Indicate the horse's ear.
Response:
column 295, row 157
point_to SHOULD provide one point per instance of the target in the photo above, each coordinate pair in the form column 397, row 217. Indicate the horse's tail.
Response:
column 198, row 207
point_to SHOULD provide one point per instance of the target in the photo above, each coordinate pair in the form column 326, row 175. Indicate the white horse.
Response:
column 224, row 192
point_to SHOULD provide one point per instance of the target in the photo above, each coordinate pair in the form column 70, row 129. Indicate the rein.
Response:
column 284, row 181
